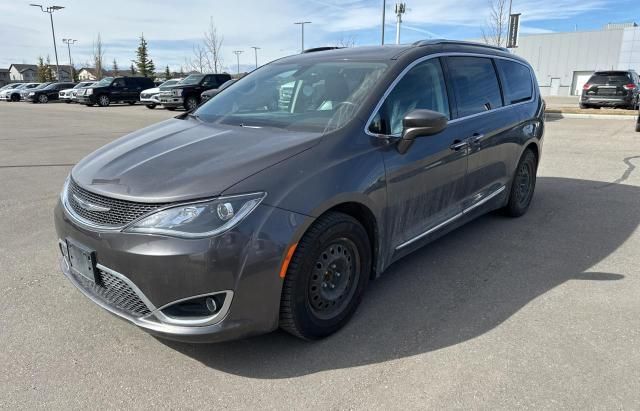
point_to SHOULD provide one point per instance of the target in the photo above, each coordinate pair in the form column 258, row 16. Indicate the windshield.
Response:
column 41, row 86
column 192, row 79
column 104, row 82
column 169, row 83
column 316, row 97
column 80, row 85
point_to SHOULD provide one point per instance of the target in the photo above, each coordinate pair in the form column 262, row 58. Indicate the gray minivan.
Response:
column 276, row 202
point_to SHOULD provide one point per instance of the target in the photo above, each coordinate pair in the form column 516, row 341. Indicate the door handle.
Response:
column 476, row 138
column 458, row 145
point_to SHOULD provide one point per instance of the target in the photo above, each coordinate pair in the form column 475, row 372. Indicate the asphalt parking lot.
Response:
column 537, row 312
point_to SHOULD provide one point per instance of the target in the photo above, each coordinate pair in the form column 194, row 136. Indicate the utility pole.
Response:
column 69, row 42
column 302, row 23
column 384, row 10
column 237, row 53
column 50, row 10
column 400, row 10
column 255, row 49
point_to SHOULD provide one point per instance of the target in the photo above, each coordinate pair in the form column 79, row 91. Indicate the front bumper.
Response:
column 244, row 261
column 171, row 101
column 90, row 99
column 154, row 99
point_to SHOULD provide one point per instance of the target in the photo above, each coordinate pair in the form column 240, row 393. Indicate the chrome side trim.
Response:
column 483, row 201
column 400, row 76
column 452, row 219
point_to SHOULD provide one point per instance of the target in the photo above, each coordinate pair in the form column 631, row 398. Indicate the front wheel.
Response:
column 151, row 106
column 131, row 103
column 326, row 278
column 15, row 97
column 43, row 99
column 523, row 185
column 190, row 103
column 104, row 100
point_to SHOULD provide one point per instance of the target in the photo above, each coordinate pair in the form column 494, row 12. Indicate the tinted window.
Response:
column 517, row 83
column 210, row 81
column 423, row 87
column 118, row 83
column 609, row 79
column 475, row 83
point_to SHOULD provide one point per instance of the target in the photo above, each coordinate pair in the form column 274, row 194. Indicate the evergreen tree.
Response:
column 74, row 74
column 144, row 64
column 48, row 71
column 167, row 73
column 115, row 68
column 41, row 71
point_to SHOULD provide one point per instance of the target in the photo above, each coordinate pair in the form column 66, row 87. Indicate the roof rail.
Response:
column 313, row 50
column 431, row 42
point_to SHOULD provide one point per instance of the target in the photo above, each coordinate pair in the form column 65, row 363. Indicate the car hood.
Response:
column 154, row 90
column 178, row 160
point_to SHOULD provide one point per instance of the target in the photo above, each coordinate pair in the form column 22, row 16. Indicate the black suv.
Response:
column 611, row 89
column 277, row 201
column 50, row 92
column 114, row 89
column 187, row 93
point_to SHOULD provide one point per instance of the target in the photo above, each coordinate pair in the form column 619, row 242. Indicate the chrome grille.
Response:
column 116, row 292
column 120, row 212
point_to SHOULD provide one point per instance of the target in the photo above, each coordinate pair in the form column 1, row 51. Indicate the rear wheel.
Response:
column 523, row 185
column 151, row 106
column 326, row 278
column 104, row 100
column 15, row 97
column 43, row 98
column 190, row 103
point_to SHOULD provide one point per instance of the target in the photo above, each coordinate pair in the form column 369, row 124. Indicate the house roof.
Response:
column 4, row 70
column 22, row 67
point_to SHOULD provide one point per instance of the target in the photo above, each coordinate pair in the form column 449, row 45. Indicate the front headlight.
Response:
column 88, row 92
column 32, row 94
column 177, row 92
column 199, row 220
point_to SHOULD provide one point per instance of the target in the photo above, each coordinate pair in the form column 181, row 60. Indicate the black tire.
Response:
column 67, row 101
column 131, row 103
column 190, row 103
column 43, row 99
column 89, row 105
column 151, row 106
column 171, row 108
column 104, row 100
column 326, row 278
column 15, row 97
column 583, row 106
column 638, row 126
column 523, row 185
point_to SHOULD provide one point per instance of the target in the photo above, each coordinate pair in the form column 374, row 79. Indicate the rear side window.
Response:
column 423, row 87
column 517, row 83
column 210, row 81
column 475, row 84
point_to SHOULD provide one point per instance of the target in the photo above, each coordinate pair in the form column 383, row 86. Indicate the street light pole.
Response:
column 237, row 53
column 69, row 42
column 302, row 23
column 400, row 10
column 50, row 10
column 384, row 9
column 256, row 52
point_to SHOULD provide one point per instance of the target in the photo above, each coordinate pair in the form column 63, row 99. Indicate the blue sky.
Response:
column 172, row 27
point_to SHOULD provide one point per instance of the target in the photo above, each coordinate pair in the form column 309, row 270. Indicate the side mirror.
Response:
column 420, row 123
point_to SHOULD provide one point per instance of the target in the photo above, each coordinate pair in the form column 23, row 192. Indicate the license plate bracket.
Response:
column 82, row 260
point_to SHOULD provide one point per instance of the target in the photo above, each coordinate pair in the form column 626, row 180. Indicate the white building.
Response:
column 563, row 62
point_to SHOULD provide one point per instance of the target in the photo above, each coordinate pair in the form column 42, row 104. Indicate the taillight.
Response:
column 586, row 86
column 629, row 86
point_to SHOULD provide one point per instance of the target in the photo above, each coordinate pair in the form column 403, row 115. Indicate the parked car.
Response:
column 13, row 94
column 245, row 215
column 48, row 93
column 151, row 97
column 114, row 89
column 638, row 123
column 10, row 86
column 611, row 89
column 67, row 94
column 25, row 93
column 187, row 93
column 206, row 95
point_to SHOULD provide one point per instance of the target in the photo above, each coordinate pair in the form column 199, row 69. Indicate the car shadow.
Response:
column 457, row 288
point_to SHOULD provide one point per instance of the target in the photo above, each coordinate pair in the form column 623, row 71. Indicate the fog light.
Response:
column 198, row 307
column 211, row 305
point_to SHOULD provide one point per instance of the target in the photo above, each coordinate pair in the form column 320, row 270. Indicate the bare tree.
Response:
column 495, row 31
column 198, row 62
column 98, row 56
column 346, row 42
column 213, row 46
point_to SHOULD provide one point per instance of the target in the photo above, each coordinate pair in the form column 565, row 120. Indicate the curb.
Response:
column 591, row 116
